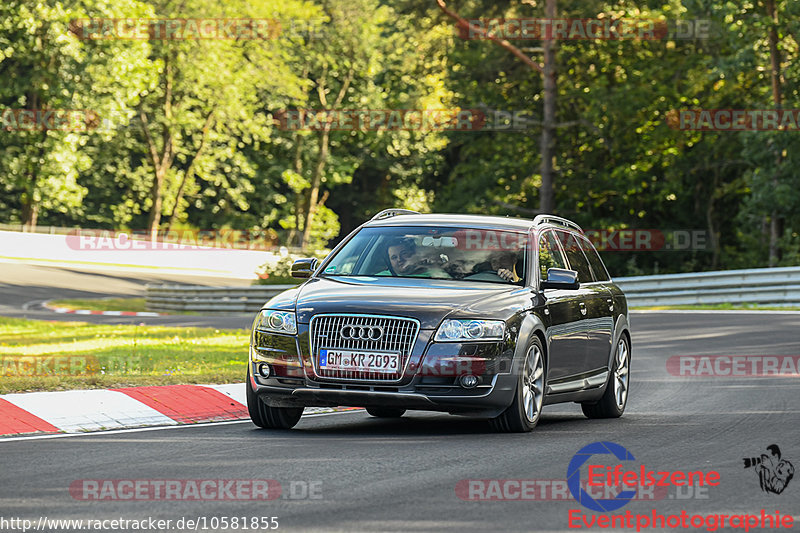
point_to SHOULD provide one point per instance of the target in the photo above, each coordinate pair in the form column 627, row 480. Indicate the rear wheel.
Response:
column 268, row 417
column 386, row 412
column 615, row 398
column 526, row 409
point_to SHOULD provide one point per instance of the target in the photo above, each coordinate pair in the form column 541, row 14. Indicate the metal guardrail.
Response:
column 772, row 286
column 49, row 230
column 764, row 286
column 210, row 299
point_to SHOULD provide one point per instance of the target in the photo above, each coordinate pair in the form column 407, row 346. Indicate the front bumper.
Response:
column 430, row 382
column 484, row 400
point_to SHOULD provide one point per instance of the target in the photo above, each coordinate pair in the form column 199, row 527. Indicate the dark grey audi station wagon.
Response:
column 480, row 316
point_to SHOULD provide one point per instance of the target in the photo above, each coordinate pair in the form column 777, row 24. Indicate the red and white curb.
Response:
column 103, row 409
column 55, row 309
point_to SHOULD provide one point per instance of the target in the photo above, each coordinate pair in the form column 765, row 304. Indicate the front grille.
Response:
column 398, row 336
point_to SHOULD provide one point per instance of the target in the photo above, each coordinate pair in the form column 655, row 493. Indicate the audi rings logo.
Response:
column 361, row 333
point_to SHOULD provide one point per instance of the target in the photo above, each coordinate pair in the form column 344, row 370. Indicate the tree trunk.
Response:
column 322, row 156
column 30, row 214
column 190, row 171
column 316, row 181
column 154, row 218
column 776, row 221
column 546, row 193
column 30, row 207
column 295, row 234
column 157, row 199
column 548, row 72
column 161, row 162
column 712, row 230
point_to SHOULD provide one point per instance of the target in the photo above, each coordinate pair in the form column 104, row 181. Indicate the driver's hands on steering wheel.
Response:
column 506, row 274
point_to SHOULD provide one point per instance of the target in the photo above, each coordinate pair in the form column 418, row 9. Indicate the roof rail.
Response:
column 386, row 213
column 552, row 219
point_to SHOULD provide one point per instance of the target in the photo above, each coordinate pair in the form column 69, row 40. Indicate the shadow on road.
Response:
column 413, row 425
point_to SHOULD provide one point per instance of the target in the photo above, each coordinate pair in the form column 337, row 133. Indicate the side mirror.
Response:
column 304, row 268
column 561, row 278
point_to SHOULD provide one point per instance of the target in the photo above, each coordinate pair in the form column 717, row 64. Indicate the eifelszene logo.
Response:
column 617, row 476
column 574, row 477
column 774, row 473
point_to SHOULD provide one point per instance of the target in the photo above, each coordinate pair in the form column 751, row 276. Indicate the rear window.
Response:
column 598, row 268
column 577, row 260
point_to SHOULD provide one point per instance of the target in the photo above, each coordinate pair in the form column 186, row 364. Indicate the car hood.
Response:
column 427, row 300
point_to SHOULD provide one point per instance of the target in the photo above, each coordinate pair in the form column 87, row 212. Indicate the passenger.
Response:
column 501, row 263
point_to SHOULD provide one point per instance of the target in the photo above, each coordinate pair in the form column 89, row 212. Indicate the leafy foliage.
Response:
column 190, row 136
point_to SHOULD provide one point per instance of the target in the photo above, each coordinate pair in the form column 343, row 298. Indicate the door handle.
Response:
column 583, row 308
column 610, row 304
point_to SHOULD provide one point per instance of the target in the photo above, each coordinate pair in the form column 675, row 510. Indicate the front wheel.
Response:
column 268, row 417
column 615, row 398
column 526, row 409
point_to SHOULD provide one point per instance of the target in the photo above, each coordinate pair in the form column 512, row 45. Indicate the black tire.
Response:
column 386, row 412
column 615, row 397
column 267, row 417
column 526, row 409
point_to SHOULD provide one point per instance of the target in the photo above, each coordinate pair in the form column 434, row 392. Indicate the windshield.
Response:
column 487, row 255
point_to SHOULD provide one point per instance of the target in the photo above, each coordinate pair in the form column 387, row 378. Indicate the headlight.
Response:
column 470, row 330
column 276, row 322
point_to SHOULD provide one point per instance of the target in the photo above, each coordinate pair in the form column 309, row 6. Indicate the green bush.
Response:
column 279, row 270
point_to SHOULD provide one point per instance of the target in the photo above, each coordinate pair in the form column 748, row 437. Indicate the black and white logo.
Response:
column 774, row 473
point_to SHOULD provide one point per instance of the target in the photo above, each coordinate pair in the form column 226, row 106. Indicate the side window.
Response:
column 577, row 261
column 550, row 255
column 598, row 268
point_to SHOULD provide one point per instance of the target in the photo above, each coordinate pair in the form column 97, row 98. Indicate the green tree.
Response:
column 45, row 66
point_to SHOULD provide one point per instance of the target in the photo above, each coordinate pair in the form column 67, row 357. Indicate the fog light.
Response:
column 468, row 381
column 264, row 370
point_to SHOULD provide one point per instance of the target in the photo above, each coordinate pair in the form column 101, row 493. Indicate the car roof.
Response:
column 453, row 220
column 474, row 221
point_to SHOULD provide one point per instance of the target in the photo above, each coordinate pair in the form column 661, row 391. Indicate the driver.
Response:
column 402, row 254
column 404, row 260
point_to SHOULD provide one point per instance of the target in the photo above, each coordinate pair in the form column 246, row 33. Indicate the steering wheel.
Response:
column 488, row 275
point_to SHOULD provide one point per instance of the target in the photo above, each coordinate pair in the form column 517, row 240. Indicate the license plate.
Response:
column 359, row 361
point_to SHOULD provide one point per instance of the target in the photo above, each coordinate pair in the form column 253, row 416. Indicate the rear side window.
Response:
column 577, row 260
column 550, row 255
column 598, row 268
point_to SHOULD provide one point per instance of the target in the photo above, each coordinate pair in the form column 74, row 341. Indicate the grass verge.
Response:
column 44, row 356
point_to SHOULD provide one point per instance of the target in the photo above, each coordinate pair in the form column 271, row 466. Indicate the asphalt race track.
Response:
column 351, row 472
column 23, row 289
